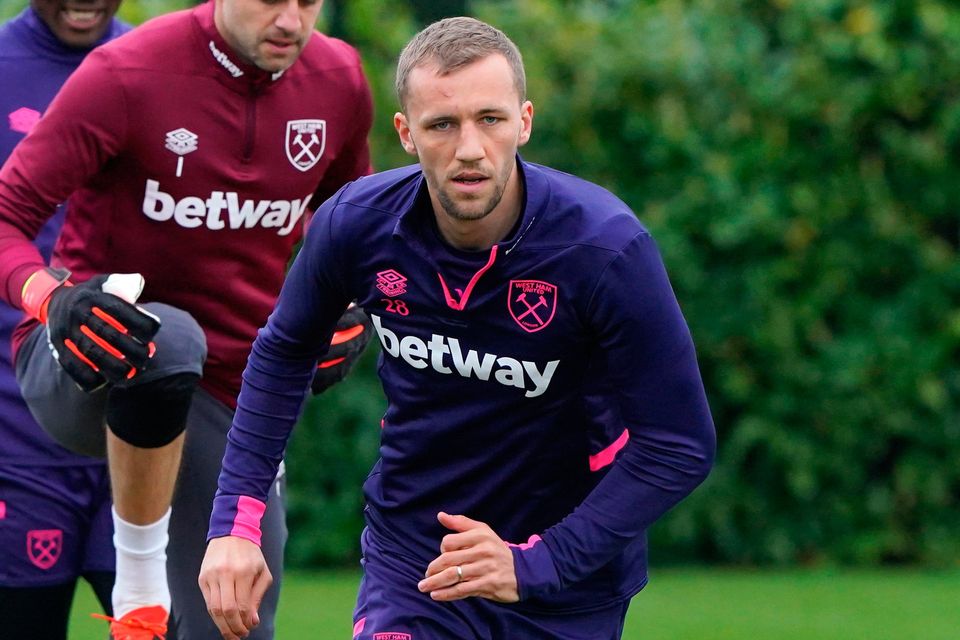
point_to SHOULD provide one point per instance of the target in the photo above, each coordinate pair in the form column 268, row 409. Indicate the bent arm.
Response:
column 646, row 389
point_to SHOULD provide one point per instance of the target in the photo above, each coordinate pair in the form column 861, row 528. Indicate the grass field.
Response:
column 696, row 604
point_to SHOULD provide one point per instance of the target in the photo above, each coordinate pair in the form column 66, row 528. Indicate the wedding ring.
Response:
column 459, row 573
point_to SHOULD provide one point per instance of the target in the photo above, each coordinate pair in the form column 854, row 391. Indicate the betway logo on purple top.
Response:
column 223, row 209
column 509, row 372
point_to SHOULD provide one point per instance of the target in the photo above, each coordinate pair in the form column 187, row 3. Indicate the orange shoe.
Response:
column 145, row 623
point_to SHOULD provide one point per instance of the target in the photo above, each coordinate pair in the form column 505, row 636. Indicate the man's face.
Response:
column 77, row 23
column 268, row 33
column 465, row 128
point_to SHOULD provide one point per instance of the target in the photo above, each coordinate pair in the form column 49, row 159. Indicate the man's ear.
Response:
column 526, row 123
column 403, row 130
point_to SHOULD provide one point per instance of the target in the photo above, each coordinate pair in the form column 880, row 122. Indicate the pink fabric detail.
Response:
column 247, row 522
column 23, row 119
column 358, row 628
column 462, row 303
column 523, row 546
column 600, row 460
column 3, row 509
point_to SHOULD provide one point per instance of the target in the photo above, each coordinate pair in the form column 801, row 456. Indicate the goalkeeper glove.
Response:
column 94, row 330
column 350, row 338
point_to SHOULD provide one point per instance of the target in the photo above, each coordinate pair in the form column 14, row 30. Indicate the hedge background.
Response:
column 797, row 162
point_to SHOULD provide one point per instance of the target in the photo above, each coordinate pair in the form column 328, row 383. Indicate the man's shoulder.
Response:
column 163, row 43
column 374, row 202
column 582, row 212
column 10, row 44
column 389, row 190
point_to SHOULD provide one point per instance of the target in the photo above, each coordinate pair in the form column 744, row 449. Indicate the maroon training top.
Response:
column 185, row 164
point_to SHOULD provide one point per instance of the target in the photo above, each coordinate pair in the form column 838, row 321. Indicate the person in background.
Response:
column 55, row 524
column 544, row 403
column 189, row 152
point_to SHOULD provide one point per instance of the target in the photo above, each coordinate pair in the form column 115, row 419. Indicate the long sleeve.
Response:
column 644, row 376
column 354, row 160
column 83, row 128
column 275, row 382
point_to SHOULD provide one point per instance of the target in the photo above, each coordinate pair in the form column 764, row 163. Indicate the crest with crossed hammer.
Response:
column 532, row 303
column 306, row 140
column 44, row 546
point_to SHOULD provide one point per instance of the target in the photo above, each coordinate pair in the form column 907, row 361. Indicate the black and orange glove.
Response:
column 95, row 331
column 349, row 340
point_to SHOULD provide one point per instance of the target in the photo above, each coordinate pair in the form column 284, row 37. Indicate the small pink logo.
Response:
column 532, row 303
column 44, row 546
column 3, row 509
column 392, row 635
column 23, row 119
column 391, row 283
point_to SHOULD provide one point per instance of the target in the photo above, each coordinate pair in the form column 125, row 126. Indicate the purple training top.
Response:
column 548, row 386
column 33, row 66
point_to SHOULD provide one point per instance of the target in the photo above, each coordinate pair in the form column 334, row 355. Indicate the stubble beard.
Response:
column 458, row 211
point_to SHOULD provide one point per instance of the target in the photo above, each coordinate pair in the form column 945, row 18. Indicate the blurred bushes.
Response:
column 797, row 161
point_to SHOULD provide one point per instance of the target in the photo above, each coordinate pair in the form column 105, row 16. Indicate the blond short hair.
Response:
column 453, row 43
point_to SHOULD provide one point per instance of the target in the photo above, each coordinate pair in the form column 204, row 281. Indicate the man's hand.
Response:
column 473, row 562
column 233, row 578
column 351, row 337
column 95, row 331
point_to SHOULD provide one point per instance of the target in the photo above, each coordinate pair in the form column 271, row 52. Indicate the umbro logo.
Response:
column 391, row 283
column 181, row 141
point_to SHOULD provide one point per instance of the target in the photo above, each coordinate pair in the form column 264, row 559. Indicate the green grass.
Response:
column 699, row 604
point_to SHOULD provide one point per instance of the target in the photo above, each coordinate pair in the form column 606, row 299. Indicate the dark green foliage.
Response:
column 797, row 162
column 332, row 449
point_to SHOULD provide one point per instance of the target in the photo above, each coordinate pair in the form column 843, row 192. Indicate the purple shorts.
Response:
column 55, row 524
column 389, row 607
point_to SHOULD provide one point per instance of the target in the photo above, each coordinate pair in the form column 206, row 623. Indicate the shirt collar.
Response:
column 231, row 67
column 37, row 35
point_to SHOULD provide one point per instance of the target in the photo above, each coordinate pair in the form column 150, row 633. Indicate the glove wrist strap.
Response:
column 35, row 295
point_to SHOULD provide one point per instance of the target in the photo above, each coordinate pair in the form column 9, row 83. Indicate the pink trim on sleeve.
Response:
column 600, row 460
column 358, row 628
column 523, row 546
column 247, row 522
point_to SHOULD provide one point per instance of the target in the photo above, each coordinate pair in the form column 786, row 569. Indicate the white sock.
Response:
column 141, row 565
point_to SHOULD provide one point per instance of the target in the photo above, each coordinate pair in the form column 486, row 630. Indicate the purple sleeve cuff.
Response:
column 534, row 568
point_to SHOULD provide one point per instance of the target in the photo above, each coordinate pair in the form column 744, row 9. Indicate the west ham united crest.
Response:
column 532, row 303
column 306, row 140
column 44, row 546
